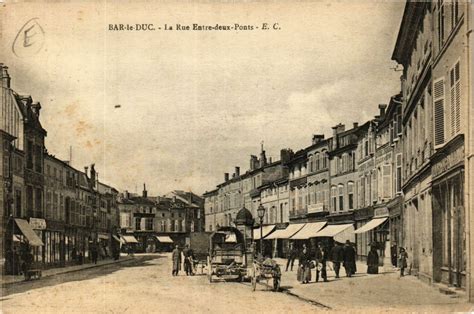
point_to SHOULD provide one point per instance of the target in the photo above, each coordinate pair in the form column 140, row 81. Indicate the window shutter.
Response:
column 387, row 180
column 438, row 111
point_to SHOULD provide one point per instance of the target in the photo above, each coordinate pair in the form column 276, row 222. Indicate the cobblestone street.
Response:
column 145, row 285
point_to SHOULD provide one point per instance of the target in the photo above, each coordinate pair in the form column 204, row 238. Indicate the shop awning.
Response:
column 286, row 233
column 116, row 238
column 30, row 235
column 231, row 238
column 371, row 225
column 309, row 230
column 16, row 238
column 164, row 239
column 103, row 236
column 266, row 230
column 332, row 230
column 129, row 239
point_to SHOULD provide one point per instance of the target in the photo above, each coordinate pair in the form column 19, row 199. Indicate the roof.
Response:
column 406, row 39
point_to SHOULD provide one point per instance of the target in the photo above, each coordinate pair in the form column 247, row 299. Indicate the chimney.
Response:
column 226, row 176
column 356, row 125
column 285, row 155
column 270, row 160
column 36, row 107
column 338, row 129
column 93, row 175
column 145, row 193
column 317, row 138
column 253, row 162
column 237, row 171
column 263, row 159
column 85, row 171
column 382, row 108
column 127, row 195
column 5, row 76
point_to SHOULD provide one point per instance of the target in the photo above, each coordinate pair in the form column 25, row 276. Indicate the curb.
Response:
column 66, row 271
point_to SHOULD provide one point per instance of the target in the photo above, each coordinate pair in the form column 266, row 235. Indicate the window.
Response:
column 399, row 173
column 38, row 202
column 318, row 164
column 441, row 19
column 138, row 223
column 333, row 198
column 438, row 112
column 387, row 181
column 455, row 86
column 350, row 194
column 163, row 226
column 38, row 160
column 341, row 197
column 29, row 155
column 149, row 224
column 18, row 203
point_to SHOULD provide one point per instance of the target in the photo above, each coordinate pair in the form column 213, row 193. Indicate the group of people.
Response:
column 318, row 258
column 339, row 255
column 177, row 256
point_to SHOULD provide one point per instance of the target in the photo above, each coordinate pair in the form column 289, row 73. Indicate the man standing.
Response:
column 291, row 256
column 188, row 260
column 176, row 257
column 321, row 258
column 337, row 257
column 94, row 252
column 349, row 259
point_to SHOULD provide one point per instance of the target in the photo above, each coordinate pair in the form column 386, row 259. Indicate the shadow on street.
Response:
column 80, row 275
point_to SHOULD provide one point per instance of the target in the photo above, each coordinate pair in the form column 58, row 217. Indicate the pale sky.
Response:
column 195, row 104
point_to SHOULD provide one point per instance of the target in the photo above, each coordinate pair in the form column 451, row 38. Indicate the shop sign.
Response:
column 449, row 161
column 316, row 208
column 381, row 212
column 37, row 223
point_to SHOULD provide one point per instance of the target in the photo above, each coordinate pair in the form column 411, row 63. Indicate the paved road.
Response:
column 143, row 286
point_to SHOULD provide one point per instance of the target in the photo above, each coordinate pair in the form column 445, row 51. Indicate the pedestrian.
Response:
column 291, row 256
column 176, row 257
column 74, row 254
column 304, row 267
column 402, row 261
column 349, row 259
column 27, row 259
column 394, row 253
column 94, row 253
column 321, row 256
column 188, row 260
column 373, row 260
column 337, row 255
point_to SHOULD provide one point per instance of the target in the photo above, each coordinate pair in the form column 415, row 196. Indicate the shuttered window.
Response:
column 438, row 111
column 387, row 181
column 455, row 86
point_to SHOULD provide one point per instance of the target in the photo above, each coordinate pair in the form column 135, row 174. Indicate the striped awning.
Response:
column 129, row 239
column 374, row 223
column 266, row 230
column 164, row 239
column 309, row 230
column 28, row 232
column 286, row 233
column 332, row 230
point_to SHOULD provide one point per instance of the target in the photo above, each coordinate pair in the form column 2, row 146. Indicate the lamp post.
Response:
column 261, row 214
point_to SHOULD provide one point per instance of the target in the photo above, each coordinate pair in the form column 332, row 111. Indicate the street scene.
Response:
column 167, row 157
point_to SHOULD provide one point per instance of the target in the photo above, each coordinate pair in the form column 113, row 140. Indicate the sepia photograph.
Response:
column 218, row 156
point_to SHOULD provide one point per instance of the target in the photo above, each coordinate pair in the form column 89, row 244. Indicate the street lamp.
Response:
column 261, row 214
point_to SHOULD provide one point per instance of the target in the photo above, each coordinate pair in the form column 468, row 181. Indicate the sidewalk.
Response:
column 10, row 279
column 385, row 291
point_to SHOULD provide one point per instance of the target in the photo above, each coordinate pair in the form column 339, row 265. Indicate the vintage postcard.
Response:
column 236, row 156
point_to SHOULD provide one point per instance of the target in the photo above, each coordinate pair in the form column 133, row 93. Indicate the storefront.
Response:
column 449, row 236
column 374, row 232
column 281, row 238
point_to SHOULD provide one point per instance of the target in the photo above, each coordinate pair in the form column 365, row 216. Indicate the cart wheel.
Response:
column 276, row 284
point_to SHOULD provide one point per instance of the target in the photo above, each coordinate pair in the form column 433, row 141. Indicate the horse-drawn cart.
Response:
column 267, row 270
column 228, row 258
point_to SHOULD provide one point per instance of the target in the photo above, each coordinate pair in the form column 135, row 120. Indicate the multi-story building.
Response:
column 157, row 222
column 318, row 178
column 343, row 176
column 450, row 57
column 431, row 46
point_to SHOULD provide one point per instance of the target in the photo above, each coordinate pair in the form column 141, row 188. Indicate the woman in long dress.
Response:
column 373, row 261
